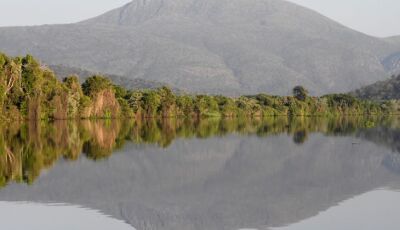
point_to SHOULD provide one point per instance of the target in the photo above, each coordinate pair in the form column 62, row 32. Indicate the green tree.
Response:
column 185, row 104
column 135, row 100
column 95, row 84
column 32, row 78
column 300, row 93
column 151, row 103
column 167, row 100
column 120, row 92
column 75, row 96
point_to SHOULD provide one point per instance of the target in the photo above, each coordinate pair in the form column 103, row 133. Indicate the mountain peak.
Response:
column 139, row 11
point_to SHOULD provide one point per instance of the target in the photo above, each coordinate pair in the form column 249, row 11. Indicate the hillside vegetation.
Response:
column 382, row 90
column 31, row 91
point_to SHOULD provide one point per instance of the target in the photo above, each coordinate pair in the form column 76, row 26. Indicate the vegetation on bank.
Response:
column 31, row 91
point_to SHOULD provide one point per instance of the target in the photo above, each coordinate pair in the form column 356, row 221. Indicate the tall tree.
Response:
column 300, row 93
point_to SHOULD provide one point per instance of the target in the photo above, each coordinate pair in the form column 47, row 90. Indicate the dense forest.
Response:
column 382, row 90
column 31, row 91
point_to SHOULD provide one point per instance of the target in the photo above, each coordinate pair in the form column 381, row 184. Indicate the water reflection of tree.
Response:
column 26, row 149
column 299, row 137
column 103, row 135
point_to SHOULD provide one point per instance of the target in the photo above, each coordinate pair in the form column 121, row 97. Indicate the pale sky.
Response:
column 375, row 17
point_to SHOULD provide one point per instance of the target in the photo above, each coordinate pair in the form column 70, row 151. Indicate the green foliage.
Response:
column 135, row 99
column 200, row 105
column 107, row 114
column 226, row 106
column 185, row 105
column 341, row 100
column 300, row 93
column 72, row 82
column 31, row 91
column 96, row 84
column 120, row 93
column 84, row 103
column 74, row 97
column 2, row 96
column 126, row 110
column 3, row 60
column 151, row 102
column 32, row 76
column 167, row 101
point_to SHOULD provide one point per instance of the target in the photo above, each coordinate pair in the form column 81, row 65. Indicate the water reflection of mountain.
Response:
column 227, row 181
column 388, row 137
column 383, row 135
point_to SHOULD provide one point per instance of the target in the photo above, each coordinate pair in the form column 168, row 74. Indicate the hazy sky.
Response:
column 37, row 12
column 375, row 17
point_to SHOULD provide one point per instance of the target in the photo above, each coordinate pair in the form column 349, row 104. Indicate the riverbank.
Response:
column 31, row 91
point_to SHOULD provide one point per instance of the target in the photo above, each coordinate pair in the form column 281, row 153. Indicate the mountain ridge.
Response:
column 137, row 83
column 210, row 46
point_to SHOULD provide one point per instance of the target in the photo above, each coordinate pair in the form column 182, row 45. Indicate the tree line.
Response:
column 31, row 91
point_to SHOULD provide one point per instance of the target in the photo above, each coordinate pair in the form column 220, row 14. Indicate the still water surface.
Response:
column 282, row 174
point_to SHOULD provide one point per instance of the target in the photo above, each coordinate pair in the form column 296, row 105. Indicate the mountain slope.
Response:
column 137, row 83
column 382, row 90
column 216, row 46
column 394, row 39
column 392, row 61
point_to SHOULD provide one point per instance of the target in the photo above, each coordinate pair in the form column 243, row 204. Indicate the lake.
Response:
column 212, row 174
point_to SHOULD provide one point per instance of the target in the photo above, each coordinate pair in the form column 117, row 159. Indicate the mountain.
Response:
column 214, row 46
column 394, row 39
column 392, row 62
column 382, row 90
column 136, row 83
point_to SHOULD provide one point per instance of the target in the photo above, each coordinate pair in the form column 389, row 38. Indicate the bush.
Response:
column 95, row 84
